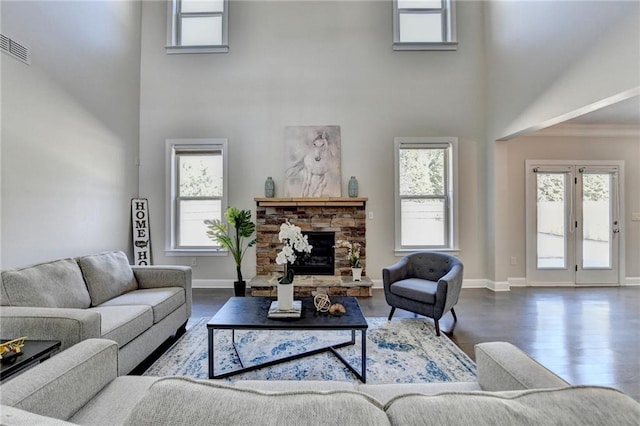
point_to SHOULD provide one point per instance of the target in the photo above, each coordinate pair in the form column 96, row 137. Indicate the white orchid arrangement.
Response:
column 353, row 255
column 294, row 241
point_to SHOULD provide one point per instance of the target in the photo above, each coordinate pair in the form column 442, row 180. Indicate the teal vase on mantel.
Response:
column 353, row 187
column 269, row 188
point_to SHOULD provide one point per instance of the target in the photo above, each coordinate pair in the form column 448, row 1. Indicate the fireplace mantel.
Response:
column 311, row 202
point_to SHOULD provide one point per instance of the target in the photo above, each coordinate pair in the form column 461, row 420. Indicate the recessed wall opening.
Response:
column 321, row 260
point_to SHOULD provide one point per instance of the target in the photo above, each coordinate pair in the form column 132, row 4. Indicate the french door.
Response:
column 573, row 223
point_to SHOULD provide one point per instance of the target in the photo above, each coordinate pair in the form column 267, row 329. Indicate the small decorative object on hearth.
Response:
column 353, row 187
column 269, row 188
column 353, row 256
column 294, row 242
column 322, row 302
column 337, row 309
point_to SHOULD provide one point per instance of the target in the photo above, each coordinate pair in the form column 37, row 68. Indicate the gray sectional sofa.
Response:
column 97, row 296
column 82, row 386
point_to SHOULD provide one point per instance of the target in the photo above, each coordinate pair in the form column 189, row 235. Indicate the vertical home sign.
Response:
column 141, row 235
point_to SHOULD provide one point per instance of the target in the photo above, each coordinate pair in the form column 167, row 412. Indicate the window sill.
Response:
column 450, row 45
column 404, row 252
column 195, row 252
column 196, row 49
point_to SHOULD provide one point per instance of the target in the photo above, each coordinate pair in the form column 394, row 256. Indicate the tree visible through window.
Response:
column 197, row 191
column 424, row 202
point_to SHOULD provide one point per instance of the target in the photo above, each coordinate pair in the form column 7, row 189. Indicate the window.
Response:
column 196, row 191
column 197, row 26
column 424, row 25
column 426, row 187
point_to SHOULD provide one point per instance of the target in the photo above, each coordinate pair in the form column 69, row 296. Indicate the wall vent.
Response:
column 14, row 49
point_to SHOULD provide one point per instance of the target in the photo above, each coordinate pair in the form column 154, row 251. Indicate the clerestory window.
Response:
column 424, row 25
column 197, row 26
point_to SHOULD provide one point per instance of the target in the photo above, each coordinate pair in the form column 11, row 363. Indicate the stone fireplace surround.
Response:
column 344, row 216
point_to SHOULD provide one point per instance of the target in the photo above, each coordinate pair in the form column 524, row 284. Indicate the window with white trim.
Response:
column 424, row 25
column 196, row 191
column 426, row 194
column 197, row 26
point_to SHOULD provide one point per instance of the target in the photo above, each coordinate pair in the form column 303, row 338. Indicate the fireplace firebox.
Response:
column 321, row 260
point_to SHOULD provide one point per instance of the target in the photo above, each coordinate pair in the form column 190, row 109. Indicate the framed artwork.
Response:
column 312, row 161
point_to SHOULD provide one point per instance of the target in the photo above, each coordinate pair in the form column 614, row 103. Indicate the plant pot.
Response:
column 356, row 273
column 240, row 288
column 285, row 297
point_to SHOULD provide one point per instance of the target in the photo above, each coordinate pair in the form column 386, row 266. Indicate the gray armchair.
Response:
column 426, row 283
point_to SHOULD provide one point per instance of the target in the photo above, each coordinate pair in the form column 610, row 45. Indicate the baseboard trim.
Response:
column 212, row 283
column 632, row 281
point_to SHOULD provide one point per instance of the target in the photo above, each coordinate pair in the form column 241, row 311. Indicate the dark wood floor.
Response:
column 585, row 335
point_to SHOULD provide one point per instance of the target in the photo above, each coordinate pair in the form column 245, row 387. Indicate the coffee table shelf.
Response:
column 250, row 313
column 33, row 352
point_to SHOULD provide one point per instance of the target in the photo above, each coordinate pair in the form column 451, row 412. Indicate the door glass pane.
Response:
column 200, row 175
column 596, row 222
column 422, row 223
column 551, row 223
column 420, row 27
column 193, row 213
column 201, row 31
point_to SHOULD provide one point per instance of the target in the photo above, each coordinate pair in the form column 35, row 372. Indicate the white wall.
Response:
column 70, row 124
column 310, row 63
column 570, row 148
column 546, row 60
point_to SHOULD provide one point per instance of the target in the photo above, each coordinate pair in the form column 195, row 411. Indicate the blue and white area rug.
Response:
column 403, row 350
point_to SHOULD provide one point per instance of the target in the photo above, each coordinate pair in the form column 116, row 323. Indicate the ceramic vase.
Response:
column 285, row 297
column 353, row 187
column 269, row 188
column 357, row 274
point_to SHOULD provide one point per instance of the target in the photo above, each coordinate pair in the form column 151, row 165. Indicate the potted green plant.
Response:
column 218, row 231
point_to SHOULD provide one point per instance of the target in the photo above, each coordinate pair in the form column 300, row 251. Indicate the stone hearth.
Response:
column 344, row 216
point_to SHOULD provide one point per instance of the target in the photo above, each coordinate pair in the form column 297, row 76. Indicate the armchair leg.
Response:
column 437, row 327
column 393, row 309
column 455, row 318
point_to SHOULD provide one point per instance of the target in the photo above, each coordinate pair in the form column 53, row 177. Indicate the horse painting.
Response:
column 313, row 161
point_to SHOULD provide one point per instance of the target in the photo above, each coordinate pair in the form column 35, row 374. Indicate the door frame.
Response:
column 531, row 213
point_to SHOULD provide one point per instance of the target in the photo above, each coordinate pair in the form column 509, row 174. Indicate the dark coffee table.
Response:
column 250, row 313
column 33, row 352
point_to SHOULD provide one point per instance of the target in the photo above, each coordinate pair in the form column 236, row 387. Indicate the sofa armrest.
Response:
column 10, row 416
column 396, row 272
column 63, row 384
column 502, row 366
column 68, row 325
column 154, row 276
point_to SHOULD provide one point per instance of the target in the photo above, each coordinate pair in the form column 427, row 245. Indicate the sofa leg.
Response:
column 393, row 309
column 437, row 328
column 455, row 318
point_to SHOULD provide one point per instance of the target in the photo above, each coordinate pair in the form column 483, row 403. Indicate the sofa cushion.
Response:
column 294, row 385
column 416, row 289
column 386, row 392
column 124, row 323
column 175, row 401
column 57, row 284
column 577, row 405
column 163, row 301
column 107, row 275
column 123, row 392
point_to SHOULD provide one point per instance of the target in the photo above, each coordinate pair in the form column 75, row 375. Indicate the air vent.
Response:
column 14, row 49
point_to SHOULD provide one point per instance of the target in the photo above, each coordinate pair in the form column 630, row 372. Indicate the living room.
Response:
column 85, row 123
